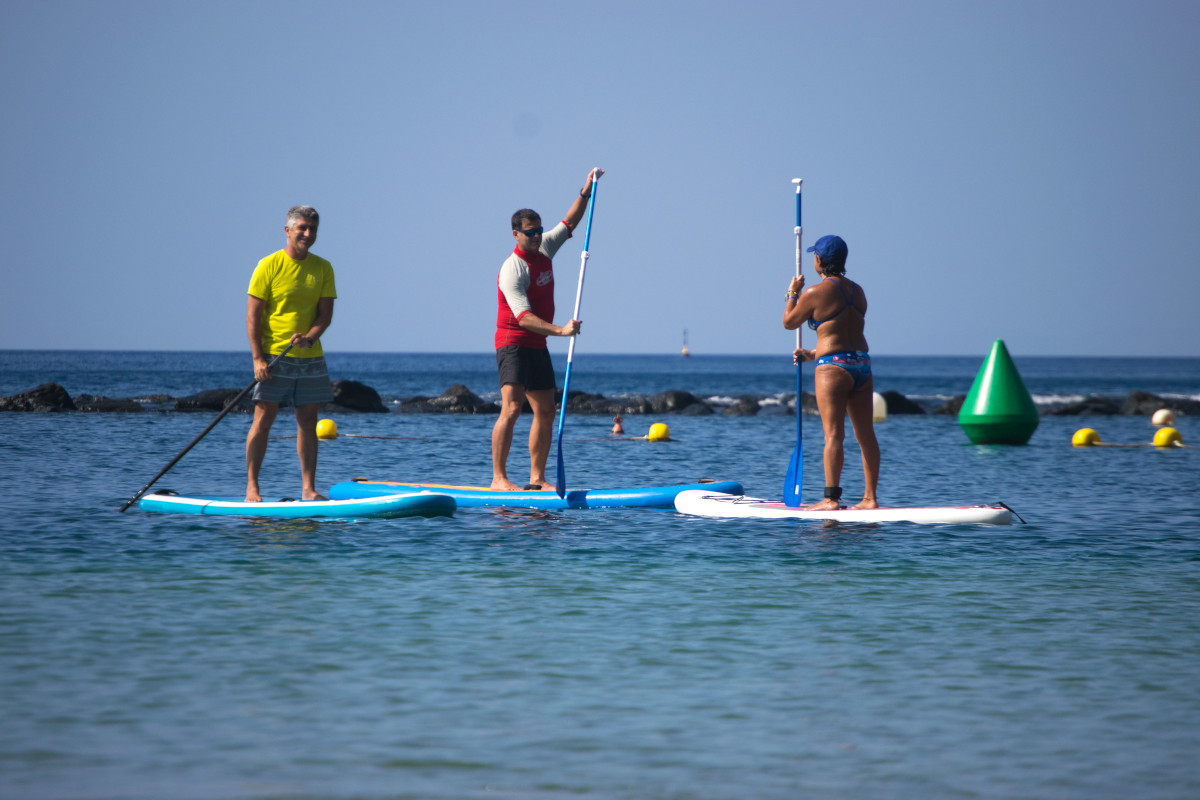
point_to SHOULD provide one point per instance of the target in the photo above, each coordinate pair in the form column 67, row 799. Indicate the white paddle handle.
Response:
column 578, row 300
column 799, row 245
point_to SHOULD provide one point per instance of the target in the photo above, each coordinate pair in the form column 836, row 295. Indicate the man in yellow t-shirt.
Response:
column 290, row 301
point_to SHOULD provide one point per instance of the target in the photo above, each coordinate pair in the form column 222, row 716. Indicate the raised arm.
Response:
column 575, row 213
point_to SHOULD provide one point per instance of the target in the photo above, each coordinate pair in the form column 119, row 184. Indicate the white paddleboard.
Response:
column 709, row 504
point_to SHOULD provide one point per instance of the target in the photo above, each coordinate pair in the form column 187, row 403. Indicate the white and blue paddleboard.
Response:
column 708, row 504
column 546, row 499
column 423, row 504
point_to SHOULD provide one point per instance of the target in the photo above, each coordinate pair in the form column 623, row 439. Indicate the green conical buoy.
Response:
column 998, row 409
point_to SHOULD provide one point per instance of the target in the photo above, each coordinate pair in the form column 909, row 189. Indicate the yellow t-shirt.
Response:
column 291, row 290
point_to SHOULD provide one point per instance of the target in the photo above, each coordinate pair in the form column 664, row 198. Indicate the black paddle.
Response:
column 228, row 407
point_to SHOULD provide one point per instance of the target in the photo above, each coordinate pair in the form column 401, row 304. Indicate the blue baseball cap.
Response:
column 830, row 248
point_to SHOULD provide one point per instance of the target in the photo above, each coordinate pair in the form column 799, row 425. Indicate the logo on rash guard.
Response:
column 544, row 278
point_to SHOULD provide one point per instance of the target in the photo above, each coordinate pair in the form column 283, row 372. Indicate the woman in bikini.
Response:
column 836, row 309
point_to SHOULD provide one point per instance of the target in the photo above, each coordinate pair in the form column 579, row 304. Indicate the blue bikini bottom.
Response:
column 856, row 362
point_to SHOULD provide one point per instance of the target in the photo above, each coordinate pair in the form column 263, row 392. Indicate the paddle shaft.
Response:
column 560, row 485
column 228, row 407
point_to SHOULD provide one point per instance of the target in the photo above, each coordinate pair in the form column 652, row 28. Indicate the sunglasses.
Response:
column 530, row 231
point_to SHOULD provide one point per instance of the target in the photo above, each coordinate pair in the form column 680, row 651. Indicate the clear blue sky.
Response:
column 1019, row 170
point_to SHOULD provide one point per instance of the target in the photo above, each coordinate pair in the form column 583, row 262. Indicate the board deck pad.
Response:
column 708, row 504
column 425, row 504
column 547, row 499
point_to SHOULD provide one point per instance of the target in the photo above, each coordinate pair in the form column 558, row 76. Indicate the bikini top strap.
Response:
column 848, row 299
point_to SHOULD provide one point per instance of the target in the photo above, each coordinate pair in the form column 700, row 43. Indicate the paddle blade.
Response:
column 791, row 484
column 560, row 483
column 795, row 472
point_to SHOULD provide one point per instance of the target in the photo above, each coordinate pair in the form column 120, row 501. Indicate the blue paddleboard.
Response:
column 409, row 504
column 548, row 499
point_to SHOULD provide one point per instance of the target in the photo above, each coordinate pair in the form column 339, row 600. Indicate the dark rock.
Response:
column 742, row 407
column 1142, row 403
column 122, row 405
column 1184, row 407
column 1092, row 406
column 214, row 400
column 458, row 399
column 672, row 400
column 155, row 402
column 355, row 396
column 697, row 409
column 808, row 403
column 776, row 410
column 47, row 397
column 635, row 404
column 1145, row 404
column 417, row 405
column 899, row 404
column 584, row 403
column 951, row 406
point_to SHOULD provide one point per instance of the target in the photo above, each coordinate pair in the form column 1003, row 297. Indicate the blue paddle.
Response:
column 560, row 484
column 795, row 472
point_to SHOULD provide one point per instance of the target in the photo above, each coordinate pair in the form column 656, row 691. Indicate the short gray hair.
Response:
column 303, row 212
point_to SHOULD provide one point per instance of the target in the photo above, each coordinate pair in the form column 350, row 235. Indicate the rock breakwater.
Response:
column 352, row 396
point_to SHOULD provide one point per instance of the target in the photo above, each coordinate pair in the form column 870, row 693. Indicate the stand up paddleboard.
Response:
column 423, row 504
column 708, row 504
column 547, row 499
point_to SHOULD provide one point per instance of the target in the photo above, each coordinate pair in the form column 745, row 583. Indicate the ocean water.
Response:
column 617, row 654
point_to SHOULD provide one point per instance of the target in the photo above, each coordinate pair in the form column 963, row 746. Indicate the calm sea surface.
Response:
column 612, row 654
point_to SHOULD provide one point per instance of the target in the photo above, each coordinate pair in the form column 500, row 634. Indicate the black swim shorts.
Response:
column 525, row 366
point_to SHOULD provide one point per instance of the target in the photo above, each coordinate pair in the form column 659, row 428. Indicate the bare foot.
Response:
column 828, row 504
column 313, row 496
column 252, row 495
column 867, row 504
column 504, row 485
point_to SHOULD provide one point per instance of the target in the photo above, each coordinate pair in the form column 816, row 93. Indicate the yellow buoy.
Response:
column 659, row 432
column 326, row 429
column 1167, row 437
column 878, row 407
column 1085, row 437
column 1163, row 417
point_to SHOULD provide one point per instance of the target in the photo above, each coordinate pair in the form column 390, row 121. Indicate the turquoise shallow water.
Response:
column 623, row 653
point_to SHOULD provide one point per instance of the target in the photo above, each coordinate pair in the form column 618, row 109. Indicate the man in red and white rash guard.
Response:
column 524, row 318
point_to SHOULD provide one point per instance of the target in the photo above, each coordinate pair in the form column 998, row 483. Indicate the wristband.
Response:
column 587, row 196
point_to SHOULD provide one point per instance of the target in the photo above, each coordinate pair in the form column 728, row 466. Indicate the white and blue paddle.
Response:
column 795, row 472
column 560, row 484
